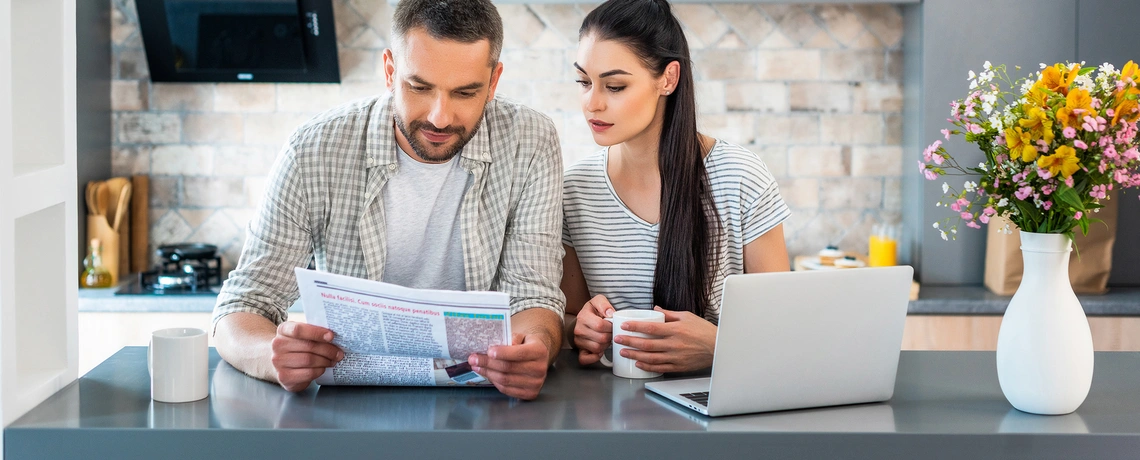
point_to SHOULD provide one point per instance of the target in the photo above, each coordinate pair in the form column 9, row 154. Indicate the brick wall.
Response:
column 814, row 90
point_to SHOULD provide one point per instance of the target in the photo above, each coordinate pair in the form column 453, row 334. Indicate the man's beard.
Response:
column 422, row 151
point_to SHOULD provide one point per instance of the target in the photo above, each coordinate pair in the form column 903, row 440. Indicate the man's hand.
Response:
column 301, row 353
column 517, row 370
column 684, row 342
column 592, row 333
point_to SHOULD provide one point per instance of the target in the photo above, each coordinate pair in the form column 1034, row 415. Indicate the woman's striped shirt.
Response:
column 618, row 250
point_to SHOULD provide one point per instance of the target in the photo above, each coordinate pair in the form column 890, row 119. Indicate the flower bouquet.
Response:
column 1055, row 145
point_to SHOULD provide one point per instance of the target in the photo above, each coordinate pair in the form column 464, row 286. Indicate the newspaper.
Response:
column 392, row 335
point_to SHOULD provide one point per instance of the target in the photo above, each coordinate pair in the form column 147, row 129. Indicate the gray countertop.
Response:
column 933, row 300
column 946, row 405
column 977, row 300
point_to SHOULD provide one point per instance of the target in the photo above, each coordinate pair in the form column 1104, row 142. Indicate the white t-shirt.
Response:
column 421, row 217
column 618, row 250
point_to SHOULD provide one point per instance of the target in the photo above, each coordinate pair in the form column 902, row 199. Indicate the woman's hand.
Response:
column 592, row 333
column 684, row 342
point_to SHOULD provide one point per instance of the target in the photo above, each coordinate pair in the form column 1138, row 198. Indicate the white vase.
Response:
column 1044, row 349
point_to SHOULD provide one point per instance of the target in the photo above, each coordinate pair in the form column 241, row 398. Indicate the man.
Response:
column 434, row 184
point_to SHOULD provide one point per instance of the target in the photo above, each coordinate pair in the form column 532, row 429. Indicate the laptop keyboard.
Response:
column 700, row 397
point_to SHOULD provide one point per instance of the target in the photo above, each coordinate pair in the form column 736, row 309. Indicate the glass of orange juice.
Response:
column 883, row 246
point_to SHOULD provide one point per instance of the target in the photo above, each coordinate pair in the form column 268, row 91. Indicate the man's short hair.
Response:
column 465, row 21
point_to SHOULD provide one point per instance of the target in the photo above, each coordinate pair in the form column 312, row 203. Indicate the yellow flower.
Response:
column 1020, row 145
column 1078, row 104
column 1063, row 161
column 1126, row 109
column 1129, row 71
column 1124, row 106
column 1037, row 97
column 1038, row 123
column 1057, row 79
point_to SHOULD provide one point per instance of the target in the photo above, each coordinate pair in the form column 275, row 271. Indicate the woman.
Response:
column 659, row 217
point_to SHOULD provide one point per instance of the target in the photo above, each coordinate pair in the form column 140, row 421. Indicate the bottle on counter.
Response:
column 95, row 275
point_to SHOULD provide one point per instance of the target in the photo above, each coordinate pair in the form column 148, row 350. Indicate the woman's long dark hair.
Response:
column 689, row 227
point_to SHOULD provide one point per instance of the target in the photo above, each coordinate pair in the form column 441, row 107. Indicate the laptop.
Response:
column 795, row 340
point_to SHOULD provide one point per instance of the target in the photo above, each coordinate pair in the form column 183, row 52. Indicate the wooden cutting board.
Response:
column 140, row 222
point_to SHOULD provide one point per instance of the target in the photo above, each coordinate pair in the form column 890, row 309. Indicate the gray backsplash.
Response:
column 815, row 91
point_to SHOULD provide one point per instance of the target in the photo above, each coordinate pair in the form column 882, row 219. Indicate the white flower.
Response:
column 1106, row 68
column 945, row 187
column 1084, row 82
column 954, row 230
column 944, row 236
column 971, row 186
column 1043, row 65
column 987, row 65
column 1003, row 203
column 936, row 225
column 973, row 84
column 995, row 122
column 987, row 107
column 972, row 75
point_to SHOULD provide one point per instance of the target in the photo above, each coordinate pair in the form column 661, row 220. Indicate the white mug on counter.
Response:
column 626, row 367
column 178, row 360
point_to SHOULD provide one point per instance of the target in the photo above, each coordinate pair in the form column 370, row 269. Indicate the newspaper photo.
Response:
column 392, row 335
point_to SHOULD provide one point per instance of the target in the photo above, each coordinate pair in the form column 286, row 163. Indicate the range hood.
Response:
column 239, row 40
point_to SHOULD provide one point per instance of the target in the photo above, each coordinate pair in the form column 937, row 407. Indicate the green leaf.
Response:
column 1028, row 210
column 1084, row 226
column 1086, row 70
column 1069, row 196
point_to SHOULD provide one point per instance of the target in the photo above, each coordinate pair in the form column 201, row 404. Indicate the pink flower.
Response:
column 1080, row 144
column 973, row 224
column 1078, row 215
column 956, row 207
column 1069, row 132
column 1095, row 124
column 1001, row 158
column 1099, row 192
column 1121, row 177
column 1048, row 189
column 963, row 202
column 1110, row 152
column 946, row 133
column 1095, row 103
column 1069, row 181
column 1047, row 205
column 1023, row 193
column 1132, row 154
column 937, row 159
column 984, row 218
column 1044, row 174
column 989, row 211
column 930, row 150
column 967, row 215
column 974, row 128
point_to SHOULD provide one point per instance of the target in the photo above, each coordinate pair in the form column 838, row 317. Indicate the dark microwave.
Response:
column 239, row 40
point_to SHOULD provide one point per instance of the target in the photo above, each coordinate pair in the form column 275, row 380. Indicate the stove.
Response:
column 184, row 269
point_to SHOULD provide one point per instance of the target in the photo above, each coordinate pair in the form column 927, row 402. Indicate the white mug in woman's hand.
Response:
column 626, row 367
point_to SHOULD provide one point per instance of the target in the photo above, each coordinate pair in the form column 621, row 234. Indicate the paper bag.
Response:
column 1090, row 263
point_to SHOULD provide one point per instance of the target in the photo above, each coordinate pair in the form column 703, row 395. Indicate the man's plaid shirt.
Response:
column 323, row 202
